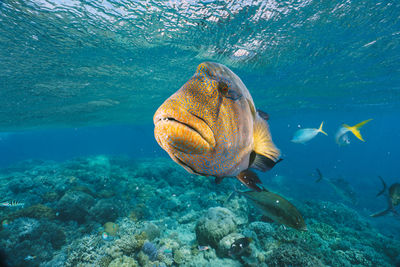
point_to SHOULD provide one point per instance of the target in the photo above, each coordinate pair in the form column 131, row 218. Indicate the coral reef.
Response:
column 158, row 215
column 150, row 250
column 290, row 255
column 226, row 242
column 37, row 211
column 75, row 205
column 123, row 261
column 214, row 225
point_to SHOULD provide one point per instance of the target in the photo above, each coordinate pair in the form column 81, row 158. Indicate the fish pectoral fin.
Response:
column 250, row 179
column 261, row 162
column 263, row 115
column 267, row 154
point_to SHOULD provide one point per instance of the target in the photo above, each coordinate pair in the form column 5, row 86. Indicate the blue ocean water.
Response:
column 81, row 80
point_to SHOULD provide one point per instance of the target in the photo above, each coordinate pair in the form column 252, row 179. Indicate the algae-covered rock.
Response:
column 290, row 255
column 84, row 189
column 131, row 243
column 142, row 258
column 152, row 231
column 139, row 212
column 104, row 210
column 181, row 255
column 225, row 243
column 50, row 196
column 106, row 193
column 105, row 261
column 214, row 225
column 75, row 205
column 325, row 231
column 21, row 183
column 38, row 211
column 123, row 261
column 29, row 236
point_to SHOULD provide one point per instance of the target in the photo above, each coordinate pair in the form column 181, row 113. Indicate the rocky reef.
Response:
column 114, row 211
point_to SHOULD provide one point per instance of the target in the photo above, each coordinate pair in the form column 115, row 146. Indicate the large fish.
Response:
column 276, row 208
column 211, row 127
column 393, row 198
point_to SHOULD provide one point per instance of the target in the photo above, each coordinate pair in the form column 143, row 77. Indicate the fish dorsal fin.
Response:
column 356, row 129
column 320, row 176
column 263, row 114
column 384, row 187
column 250, row 179
column 267, row 154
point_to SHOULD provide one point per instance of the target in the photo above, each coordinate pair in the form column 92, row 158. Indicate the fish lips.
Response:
column 183, row 131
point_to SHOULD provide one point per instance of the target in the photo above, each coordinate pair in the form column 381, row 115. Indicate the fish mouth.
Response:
column 183, row 131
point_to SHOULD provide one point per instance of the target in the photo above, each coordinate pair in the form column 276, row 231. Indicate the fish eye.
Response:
column 223, row 87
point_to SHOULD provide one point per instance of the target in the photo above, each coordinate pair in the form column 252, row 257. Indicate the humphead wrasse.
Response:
column 211, row 127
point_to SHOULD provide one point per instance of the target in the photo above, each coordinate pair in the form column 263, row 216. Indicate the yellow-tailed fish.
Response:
column 302, row 136
column 393, row 198
column 341, row 137
column 211, row 127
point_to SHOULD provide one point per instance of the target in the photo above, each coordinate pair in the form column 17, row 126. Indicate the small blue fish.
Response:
column 302, row 136
column 11, row 203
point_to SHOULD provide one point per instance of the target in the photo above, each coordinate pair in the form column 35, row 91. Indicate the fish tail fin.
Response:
column 320, row 129
column 356, row 129
column 384, row 187
column 320, row 176
column 266, row 153
column 386, row 211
